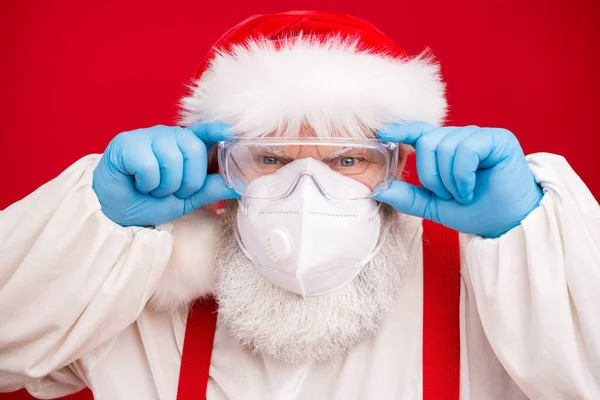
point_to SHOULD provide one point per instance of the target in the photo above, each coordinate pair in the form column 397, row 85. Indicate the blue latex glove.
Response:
column 151, row 176
column 475, row 180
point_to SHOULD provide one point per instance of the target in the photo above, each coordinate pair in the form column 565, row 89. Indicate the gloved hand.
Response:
column 151, row 176
column 475, row 180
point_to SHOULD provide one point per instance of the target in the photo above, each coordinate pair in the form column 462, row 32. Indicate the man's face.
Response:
column 275, row 323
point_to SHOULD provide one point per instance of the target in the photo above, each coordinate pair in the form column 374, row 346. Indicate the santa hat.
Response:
column 273, row 74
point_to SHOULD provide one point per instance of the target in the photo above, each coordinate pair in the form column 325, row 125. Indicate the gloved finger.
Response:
column 143, row 166
column 446, row 153
column 483, row 149
column 494, row 145
column 213, row 191
column 170, row 161
column 212, row 132
column 194, row 163
column 466, row 163
column 427, row 166
column 407, row 133
column 411, row 200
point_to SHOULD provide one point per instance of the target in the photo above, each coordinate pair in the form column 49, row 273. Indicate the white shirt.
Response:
column 74, row 311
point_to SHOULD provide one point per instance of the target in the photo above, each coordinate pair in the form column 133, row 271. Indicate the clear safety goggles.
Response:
column 246, row 162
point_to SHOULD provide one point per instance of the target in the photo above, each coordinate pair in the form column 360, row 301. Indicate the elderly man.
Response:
column 315, row 259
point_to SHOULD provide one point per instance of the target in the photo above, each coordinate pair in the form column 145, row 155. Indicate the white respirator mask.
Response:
column 300, row 235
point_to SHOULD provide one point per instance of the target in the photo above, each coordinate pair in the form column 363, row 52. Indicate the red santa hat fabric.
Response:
column 274, row 74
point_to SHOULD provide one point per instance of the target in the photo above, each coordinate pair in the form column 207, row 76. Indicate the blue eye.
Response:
column 269, row 160
column 347, row 161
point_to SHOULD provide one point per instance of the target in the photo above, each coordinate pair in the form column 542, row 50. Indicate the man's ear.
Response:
column 404, row 152
column 213, row 161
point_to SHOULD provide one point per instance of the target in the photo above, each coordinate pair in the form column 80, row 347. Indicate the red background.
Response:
column 73, row 74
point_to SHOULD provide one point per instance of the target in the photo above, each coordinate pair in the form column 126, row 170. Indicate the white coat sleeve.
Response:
column 537, row 288
column 70, row 280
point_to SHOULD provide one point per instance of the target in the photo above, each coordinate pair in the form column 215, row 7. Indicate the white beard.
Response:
column 275, row 323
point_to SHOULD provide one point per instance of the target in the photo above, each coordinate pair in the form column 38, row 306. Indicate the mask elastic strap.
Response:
column 239, row 240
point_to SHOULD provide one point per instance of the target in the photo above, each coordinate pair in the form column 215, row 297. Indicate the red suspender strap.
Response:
column 441, row 337
column 441, row 302
column 197, row 349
